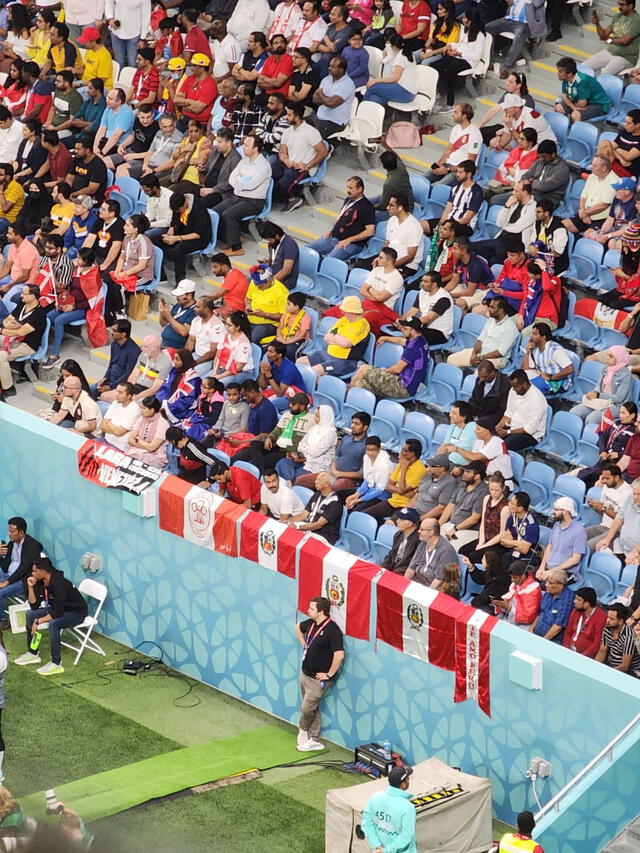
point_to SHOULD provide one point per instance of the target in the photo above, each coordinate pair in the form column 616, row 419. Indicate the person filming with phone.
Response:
column 56, row 603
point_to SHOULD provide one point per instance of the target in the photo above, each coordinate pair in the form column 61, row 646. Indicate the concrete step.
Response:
column 628, row 841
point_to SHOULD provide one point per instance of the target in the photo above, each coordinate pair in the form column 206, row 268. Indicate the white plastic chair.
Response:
column 426, row 95
column 125, row 78
column 396, row 5
column 375, row 60
column 98, row 591
column 479, row 71
column 365, row 125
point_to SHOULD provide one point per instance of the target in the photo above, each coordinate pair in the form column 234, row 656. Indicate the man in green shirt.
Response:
column 583, row 98
column 621, row 40
column 66, row 103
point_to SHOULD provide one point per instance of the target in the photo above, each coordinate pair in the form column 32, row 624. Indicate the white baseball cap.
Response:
column 567, row 504
column 512, row 100
column 186, row 285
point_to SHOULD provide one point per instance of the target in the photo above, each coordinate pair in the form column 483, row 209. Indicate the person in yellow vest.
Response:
column 514, row 842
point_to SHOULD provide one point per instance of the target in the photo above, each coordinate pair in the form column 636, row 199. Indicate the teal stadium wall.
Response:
column 229, row 623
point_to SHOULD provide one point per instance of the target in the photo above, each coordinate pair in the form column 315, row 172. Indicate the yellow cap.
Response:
column 176, row 63
column 351, row 305
column 200, row 59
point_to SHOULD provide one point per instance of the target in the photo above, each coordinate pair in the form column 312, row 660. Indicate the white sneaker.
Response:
column 26, row 659
column 303, row 737
column 311, row 746
column 50, row 668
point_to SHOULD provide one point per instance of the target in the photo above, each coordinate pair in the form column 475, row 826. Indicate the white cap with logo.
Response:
column 186, row 285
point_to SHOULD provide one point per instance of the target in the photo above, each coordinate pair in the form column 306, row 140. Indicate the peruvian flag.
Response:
column 343, row 579
column 270, row 543
column 473, row 658
column 198, row 515
column 417, row 620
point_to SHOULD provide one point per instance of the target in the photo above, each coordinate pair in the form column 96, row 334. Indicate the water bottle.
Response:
column 386, row 749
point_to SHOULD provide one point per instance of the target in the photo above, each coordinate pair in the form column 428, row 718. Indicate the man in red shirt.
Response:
column 237, row 484
column 513, row 270
column 38, row 102
column 415, row 22
column 234, row 285
column 58, row 158
column 198, row 94
column 276, row 72
column 195, row 41
column 146, row 80
column 583, row 633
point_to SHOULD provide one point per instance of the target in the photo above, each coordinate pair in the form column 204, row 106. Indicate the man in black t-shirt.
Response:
column 136, row 143
column 355, row 225
column 22, row 330
column 323, row 652
column 305, row 79
column 88, row 173
column 323, row 512
column 625, row 148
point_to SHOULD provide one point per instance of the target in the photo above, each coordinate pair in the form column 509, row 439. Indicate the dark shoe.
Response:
column 4, row 624
column 554, row 35
column 504, row 74
column 9, row 392
column 293, row 204
column 22, row 377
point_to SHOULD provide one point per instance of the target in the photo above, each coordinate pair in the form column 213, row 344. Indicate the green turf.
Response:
column 115, row 790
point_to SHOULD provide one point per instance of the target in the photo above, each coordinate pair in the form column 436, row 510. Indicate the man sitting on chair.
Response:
column 16, row 559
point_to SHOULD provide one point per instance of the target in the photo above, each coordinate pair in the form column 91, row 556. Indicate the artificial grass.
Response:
column 242, row 818
column 122, row 788
column 53, row 736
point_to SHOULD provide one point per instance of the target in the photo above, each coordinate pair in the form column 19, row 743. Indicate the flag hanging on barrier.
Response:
column 270, row 543
column 112, row 469
column 473, row 648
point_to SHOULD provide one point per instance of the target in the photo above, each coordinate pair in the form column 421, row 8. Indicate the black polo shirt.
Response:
column 320, row 645
column 302, row 78
column 353, row 219
column 36, row 319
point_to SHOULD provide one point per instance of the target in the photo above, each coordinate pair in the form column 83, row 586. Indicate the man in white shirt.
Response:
column 524, row 423
column 380, row 291
column 287, row 16
column 517, row 115
column 225, row 49
column 310, row 30
column 78, row 410
column 404, row 234
column 595, row 198
column 612, row 498
column 250, row 182
column 301, row 151
column 248, row 15
column 516, row 218
column 465, row 142
column 277, row 499
column 158, row 210
column 205, row 333
column 120, row 417
column 494, row 342
column 10, row 136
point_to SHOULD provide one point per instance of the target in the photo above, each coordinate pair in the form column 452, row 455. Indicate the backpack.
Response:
column 403, row 134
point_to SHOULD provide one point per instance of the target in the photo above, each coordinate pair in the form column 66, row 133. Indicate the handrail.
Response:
column 554, row 802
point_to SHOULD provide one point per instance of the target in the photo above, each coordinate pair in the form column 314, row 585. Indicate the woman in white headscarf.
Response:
column 315, row 452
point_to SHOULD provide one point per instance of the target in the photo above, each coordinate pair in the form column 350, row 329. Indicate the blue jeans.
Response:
column 382, row 93
column 4, row 226
column 589, row 416
column 15, row 588
column 173, row 457
column 237, row 377
column 60, row 319
column 124, row 50
column 290, row 470
column 326, row 247
column 67, row 620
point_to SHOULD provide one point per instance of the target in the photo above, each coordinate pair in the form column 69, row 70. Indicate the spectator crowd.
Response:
column 136, row 144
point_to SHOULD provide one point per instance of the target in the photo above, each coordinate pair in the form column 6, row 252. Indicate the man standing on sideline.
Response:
column 389, row 818
column 520, row 840
column 16, row 559
column 323, row 652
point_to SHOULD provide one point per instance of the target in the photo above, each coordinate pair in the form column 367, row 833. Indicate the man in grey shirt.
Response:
column 431, row 556
column 623, row 537
column 461, row 516
column 436, row 489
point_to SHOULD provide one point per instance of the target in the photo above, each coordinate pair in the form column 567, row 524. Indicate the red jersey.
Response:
column 585, row 636
column 275, row 65
column 196, row 41
column 145, row 82
column 205, row 90
column 243, row 486
column 411, row 18
column 235, row 286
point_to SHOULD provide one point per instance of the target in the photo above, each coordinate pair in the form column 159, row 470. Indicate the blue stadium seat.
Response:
column 386, row 354
column 438, row 198
column 588, row 452
column 152, row 286
column 586, row 379
column 127, row 206
column 309, row 263
column 330, row 391
column 490, row 228
column 357, row 400
column 355, row 280
column 249, row 467
column 517, row 465
column 585, row 262
column 611, row 338
column 492, row 162
column 439, row 436
column 580, row 145
column 420, row 426
column 383, row 542
column 472, row 325
column 219, row 454
column 421, row 188
column 603, row 574
column 131, row 188
column 443, row 388
column 570, row 487
column 386, row 423
column 630, row 101
column 330, row 280
column 257, row 358
column 562, row 438
column 627, row 579
column 309, row 345
column 537, row 479
column 571, row 200
column 467, row 387
column 318, row 176
column 559, row 124
column 359, row 534
column 303, row 493
column 613, row 86
column 266, row 209
column 83, row 321
column 310, row 378
column 588, row 515
column 375, row 243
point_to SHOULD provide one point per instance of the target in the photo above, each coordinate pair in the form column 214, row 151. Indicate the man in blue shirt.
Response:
column 278, row 374
column 89, row 116
column 175, row 321
column 555, row 608
column 333, row 99
column 123, row 358
column 117, row 121
column 347, row 464
column 263, row 415
column 389, row 818
column 568, row 541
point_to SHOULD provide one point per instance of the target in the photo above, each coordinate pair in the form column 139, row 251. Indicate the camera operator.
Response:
column 64, row 607
column 15, row 826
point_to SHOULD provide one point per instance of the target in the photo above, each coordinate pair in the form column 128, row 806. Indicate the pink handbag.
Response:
column 403, row 134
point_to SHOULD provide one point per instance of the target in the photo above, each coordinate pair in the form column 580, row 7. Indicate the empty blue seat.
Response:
column 585, row 263
column 303, row 493
column 310, row 378
column 375, row 243
column 357, row 400
column 443, row 388
column 438, row 198
column 383, row 542
column 559, row 124
column 420, row 426
column 587, row 378
column 467, row 387
column 588, row 451
column 517, row 465
column 562, row 438
column 421, row 188
column 630, row 100
column 603, row 574
column 571, row 200
column 537, row 479
column 387, row 422
column 627, row 579
column 249, row 467
column 359, row 533
column 613, row 86
column 309, row 263
column 331, row 279
column 472, row 325
column 330, row 391
column 580, row 144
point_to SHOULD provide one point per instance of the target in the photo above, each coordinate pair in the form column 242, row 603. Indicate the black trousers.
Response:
column 231, row 211
column 448, row 69
column 493, row 251
column 520, row 441
column 178, row 253
column 258, row 456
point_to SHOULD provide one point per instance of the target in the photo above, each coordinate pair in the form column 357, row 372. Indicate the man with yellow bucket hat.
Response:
column 196, row 97
column 347, row 341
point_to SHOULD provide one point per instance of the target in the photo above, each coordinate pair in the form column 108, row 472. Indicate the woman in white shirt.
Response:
column 399, row 81
column 129, row 21
column 462, row 54
column 234, row 356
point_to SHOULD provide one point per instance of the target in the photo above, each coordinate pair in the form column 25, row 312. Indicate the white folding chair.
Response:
column 479, row 71
column 426, row 94
column 125, row 78
column 98, row 591
column 375, row 60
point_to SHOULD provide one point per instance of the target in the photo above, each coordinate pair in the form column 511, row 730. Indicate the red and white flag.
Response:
column 417, row 620
column 343, row 579
column 202, row 517
column 473, row 647
column 270, row 543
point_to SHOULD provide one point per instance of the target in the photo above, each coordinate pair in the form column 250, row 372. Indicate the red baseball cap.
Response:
column 89, row 34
